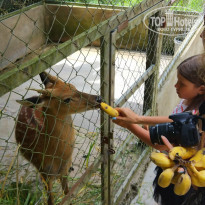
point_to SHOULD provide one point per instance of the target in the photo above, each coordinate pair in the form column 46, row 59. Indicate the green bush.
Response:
column 195, row 5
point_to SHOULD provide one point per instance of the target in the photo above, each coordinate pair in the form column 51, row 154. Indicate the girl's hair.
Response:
column 193, row 69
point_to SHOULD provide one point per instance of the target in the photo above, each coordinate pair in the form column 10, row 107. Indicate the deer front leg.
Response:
column 64, row 184
column 64, row 177
column 48, row 182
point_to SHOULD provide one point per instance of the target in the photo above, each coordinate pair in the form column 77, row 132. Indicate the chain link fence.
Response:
column 102, row 48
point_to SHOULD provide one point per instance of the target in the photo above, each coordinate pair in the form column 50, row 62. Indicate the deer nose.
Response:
column 99, row 99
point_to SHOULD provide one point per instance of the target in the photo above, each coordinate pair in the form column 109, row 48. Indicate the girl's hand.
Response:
column 127, row 116
column 121, row 123
column 167, row 143
column 146, row 127
column 166, row 147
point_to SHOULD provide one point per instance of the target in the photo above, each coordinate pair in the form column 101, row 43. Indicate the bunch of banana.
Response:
column 180, row 168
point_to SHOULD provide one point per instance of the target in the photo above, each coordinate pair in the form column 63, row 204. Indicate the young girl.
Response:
column 190, row 87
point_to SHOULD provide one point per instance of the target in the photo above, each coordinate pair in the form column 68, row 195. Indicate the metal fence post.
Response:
column 107, row 91
column 111, row 102
column 150, row 83
column 157, row 67
column 104, row 76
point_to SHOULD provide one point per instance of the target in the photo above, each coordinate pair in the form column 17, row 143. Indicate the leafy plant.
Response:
column 194, row 5
column 23, row 194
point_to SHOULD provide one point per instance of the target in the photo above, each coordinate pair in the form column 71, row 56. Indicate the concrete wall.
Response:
column 26, row 32
column 60, row 19
column 21, row 34
column 167, row 97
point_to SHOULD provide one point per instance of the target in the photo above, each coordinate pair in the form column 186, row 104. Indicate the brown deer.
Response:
column 44, row 128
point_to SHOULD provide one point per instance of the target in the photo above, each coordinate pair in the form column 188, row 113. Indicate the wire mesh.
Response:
column 33, row 40
column 7, row 6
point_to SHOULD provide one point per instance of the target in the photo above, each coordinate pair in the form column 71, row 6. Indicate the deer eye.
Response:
column 67, row 100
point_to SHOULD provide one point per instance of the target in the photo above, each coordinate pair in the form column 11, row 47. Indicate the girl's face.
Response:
column 186, row 89
column 203, row 37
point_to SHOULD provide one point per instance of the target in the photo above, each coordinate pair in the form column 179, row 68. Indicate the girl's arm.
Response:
column 128, row 116
column 152, row 120
column 143, row 134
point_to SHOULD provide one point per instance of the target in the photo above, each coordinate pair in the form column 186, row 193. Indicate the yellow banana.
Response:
column 183, row 152
column 175, row 177
column 183, row 184
column 177, row 173
column 199, row 159
column 197, row 177
column 165, row 177
column 109, row 110
column 162, row 160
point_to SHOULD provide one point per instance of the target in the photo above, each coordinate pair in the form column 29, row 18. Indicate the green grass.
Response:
column 23, row 194
column 89, row 194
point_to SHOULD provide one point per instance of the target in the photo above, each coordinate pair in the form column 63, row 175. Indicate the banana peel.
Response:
column 162, row 160
column 109, row 110
column 199, row 159
column 183, row 184
column 165, row 178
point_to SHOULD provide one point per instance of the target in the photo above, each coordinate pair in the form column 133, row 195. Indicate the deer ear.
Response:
column 47, row 79
column 31, row 102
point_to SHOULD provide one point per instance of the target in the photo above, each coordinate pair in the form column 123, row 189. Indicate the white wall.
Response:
column 167, row 98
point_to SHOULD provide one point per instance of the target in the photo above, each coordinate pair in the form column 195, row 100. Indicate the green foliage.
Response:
column 23, row 194
column 109, row 2
column 194, row 5
column 89, row 194
column 7, row 6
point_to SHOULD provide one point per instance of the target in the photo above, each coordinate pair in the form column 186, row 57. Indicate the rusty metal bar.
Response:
column 104, row 75
column 111, row 102
column 107, row 92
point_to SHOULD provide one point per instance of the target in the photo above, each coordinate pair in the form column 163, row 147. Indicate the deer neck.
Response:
column 56, row 122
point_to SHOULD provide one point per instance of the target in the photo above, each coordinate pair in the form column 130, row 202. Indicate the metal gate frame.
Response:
column 107, row 91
